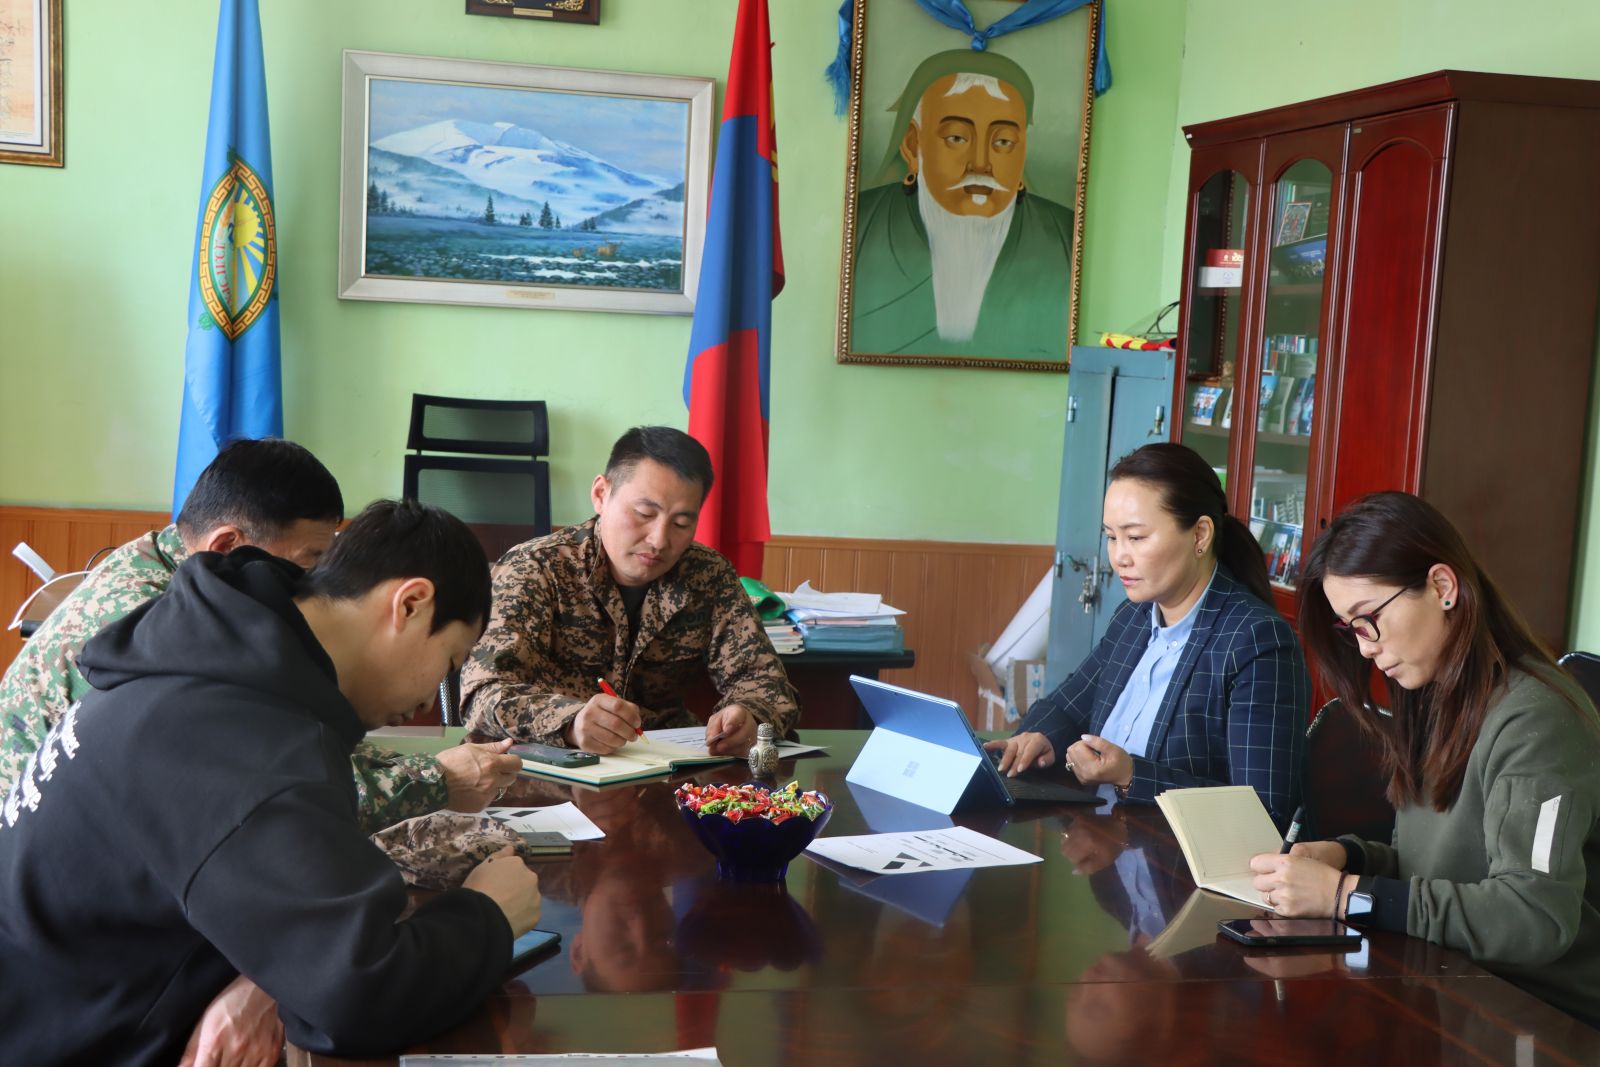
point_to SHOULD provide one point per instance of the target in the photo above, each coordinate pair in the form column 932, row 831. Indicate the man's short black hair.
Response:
column 673, row 449
column 407, row 539
column 263, row 487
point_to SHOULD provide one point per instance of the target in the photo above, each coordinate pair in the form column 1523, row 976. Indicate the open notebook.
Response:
column 1219, row 828
column 658, row 754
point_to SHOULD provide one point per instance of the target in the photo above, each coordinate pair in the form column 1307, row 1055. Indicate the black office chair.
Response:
column 1585, row 668
column 1343, row 778
column 492, row 477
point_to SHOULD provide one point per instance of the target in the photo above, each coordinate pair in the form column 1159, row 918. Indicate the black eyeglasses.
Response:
column 1364, row 626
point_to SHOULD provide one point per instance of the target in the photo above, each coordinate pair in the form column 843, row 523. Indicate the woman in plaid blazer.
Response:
column 1198, row 680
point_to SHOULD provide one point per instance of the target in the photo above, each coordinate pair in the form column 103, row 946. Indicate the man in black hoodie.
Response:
column 195, row 818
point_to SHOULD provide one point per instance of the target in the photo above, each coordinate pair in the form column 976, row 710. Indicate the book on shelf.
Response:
column 1227, row 409
column 1223, row 269
column 1203, row 406
column 1219, row 829
column 1292, row 223
column 1269, row 389
column 1275, row 414
column 1304, row 403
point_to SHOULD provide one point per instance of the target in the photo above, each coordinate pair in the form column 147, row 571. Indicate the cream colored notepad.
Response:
column 637, row 759
column 1220, row 828
column 1196, row 923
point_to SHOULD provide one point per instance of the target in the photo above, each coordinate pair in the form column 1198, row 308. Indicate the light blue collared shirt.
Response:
column 1134, row 714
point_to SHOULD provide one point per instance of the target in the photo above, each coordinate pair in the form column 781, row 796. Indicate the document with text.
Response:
column 950, row 849
column 564, row 819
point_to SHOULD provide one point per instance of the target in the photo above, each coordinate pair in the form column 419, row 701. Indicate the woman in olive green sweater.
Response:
column 1493, row 755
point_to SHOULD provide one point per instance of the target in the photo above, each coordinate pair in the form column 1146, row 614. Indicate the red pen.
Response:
column 605, row 687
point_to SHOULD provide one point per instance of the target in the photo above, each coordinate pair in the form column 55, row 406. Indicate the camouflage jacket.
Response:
column 558, row 624
column 43, row 681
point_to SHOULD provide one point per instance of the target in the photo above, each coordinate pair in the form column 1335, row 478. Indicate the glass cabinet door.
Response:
column 1286, row 400
column 1216, row 309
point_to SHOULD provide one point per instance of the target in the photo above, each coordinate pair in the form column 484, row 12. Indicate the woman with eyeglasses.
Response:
column 1198, row 680
column 1493, row 755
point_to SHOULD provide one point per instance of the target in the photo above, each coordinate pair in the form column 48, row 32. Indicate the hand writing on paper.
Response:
column 1295, row 885
column 605, row 724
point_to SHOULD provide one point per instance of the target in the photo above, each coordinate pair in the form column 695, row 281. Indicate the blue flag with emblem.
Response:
column 232, row 387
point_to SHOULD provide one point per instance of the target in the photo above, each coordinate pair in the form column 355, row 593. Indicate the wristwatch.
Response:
column 1358, row 907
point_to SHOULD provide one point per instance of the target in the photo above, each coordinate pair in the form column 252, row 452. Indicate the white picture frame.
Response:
column 422, row 137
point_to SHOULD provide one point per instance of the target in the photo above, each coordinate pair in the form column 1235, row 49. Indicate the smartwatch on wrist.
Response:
column 1358, row 907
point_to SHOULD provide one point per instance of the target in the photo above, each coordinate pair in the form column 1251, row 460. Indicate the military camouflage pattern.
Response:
column 43, row 681
column 438, row 851
column 558, row 623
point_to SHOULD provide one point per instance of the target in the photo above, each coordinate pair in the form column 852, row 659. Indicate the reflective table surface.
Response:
column 1102, row 953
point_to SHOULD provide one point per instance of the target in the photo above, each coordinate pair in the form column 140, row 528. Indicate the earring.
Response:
column 910, row 180
column 1447, row 603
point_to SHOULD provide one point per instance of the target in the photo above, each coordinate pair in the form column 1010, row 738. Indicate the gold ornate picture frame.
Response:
column 1006, row 160
column 30, row 83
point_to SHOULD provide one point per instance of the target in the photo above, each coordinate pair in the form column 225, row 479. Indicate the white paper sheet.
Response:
column 564, row 819
column 955, row 848
column 695, row 737
column 616, row 1059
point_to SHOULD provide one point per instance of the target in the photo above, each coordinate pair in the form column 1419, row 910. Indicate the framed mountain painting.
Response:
column 466, row 182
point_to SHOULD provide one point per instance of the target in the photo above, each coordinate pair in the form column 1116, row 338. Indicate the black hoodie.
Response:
column 194, row 818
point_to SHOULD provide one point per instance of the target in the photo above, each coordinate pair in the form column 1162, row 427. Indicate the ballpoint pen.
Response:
column 1294, row 829
column 605, row 687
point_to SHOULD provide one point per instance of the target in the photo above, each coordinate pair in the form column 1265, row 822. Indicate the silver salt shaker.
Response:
column 764, row 754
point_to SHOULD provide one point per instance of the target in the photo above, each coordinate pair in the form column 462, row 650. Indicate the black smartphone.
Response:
column 532, row 947
column 1290, row 932
column 555, row 757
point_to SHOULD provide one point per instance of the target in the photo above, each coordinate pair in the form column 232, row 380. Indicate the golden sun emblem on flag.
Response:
column 238, row 250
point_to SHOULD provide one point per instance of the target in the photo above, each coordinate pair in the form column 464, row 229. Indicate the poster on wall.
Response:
column 30, row 82
column 964, row 189
column 584, row 11
column 509, row 185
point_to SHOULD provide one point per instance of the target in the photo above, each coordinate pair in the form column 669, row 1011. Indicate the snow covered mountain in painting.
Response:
column 448, row 168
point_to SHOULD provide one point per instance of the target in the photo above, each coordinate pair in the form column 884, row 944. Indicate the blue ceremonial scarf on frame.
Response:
column 232, row 386
column 954, row 13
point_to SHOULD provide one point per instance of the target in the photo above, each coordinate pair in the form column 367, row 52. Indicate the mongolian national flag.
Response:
column 231, row 383
column 726, row 381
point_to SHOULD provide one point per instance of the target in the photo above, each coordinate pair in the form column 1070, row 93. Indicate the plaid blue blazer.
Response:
column 1234, row 713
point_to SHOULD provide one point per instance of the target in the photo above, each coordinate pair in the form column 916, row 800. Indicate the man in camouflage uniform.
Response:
column 627, row 597
column 277, row 496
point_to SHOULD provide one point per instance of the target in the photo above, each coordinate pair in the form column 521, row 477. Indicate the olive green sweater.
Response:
column 1510, row 874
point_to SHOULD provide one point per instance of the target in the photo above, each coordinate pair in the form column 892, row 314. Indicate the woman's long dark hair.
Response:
column 1396, row 539
column 1189, row 488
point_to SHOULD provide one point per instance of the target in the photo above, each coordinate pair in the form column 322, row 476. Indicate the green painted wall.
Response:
column 94, row 258
column 1245, row 55
column 94, row 265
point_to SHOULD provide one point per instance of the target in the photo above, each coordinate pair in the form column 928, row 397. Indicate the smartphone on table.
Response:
column 533, row 947
column 529, row 752
column 1264, row 932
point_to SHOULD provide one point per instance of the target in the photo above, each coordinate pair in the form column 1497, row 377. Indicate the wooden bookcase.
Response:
column 1395, row 288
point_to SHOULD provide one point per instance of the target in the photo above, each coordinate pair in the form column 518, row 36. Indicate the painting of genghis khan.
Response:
column 954, row 254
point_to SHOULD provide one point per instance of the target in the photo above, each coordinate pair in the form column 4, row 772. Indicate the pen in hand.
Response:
column 605, row 687
column 1294, row 829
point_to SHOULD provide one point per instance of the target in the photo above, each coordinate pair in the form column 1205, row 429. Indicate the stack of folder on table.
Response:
column 845, row 622
column 785, row 637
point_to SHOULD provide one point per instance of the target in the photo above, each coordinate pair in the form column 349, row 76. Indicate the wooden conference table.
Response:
column 1052, row 963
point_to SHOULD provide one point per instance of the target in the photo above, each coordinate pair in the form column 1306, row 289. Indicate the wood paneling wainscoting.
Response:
column 66, row 538
column 956, row 595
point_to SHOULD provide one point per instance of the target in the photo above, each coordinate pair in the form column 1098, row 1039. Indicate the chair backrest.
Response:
column 505, row 500
column 1585, row 667
column 1343, row 778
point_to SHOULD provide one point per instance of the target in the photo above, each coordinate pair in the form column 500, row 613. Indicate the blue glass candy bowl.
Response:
column 750, row 846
